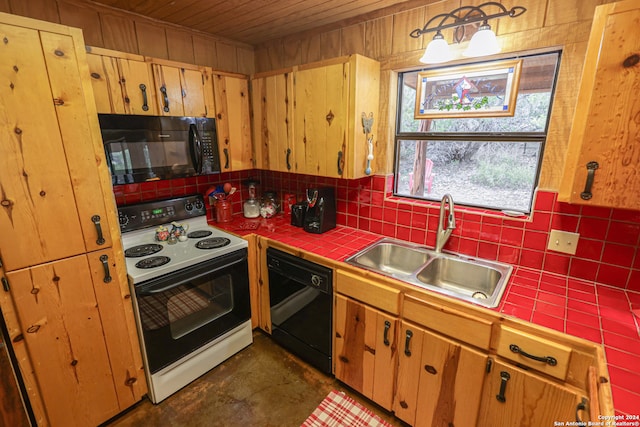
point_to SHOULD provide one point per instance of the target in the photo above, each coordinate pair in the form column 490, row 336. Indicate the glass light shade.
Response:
column 437, row 51
column 483, row 43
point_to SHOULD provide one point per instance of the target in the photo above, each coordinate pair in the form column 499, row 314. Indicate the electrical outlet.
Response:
column 563, row 241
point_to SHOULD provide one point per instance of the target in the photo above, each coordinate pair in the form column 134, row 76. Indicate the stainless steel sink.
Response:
column 393, row 258
column 476, row 280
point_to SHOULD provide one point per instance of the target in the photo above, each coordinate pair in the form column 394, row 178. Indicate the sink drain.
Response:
column 479, row 295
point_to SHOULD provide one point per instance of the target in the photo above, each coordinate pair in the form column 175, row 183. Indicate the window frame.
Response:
column 540, row 137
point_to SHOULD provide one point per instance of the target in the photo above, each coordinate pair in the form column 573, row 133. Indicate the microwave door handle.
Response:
column 195, row 147
column 158, row 290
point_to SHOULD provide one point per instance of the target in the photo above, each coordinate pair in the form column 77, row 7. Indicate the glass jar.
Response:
column 251, row 208
column 272, row 198
column 223, row 211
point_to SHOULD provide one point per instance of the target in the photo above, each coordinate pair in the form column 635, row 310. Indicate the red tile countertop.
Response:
column 577, row 307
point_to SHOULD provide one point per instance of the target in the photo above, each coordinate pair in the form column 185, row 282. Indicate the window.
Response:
column 492, row 163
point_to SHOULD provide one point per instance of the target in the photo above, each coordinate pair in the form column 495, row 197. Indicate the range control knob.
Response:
column 123, row 219
column 316, row 280
column 199, row 204
column 188, row 206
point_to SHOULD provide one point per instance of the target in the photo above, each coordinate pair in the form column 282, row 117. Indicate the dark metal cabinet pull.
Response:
column 504, row 377
column 165, row 97
column 226, row 158
column 591, row 173
column 105, row 264
column 96, row 221
column 407, row 350
column 387, row 326
column 143, row 89
column 546, row 359
column 340, row 162
column 5, row 284
column 582, row 406
column 287, row 159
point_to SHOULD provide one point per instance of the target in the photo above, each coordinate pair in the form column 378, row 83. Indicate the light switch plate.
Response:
column 563, row 241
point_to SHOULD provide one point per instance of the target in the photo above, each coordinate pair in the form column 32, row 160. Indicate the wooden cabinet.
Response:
column 232, row 111
column 329, row 101
column 439, row 380
column 515, row 397
column 122, row 83
column 70, row 322
column 182, row 89
column 604, row 136
column 365, row 349
column 273, row 121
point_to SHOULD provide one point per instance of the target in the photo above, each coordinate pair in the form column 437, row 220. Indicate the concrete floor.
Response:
column 262, row 386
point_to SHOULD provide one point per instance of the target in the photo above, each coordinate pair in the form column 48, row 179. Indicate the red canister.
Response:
column 288, row 200
column 223, row 211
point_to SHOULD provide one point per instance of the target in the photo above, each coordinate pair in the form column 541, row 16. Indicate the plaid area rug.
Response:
column 339, row 410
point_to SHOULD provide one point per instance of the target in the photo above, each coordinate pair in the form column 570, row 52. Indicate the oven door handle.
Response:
column 158, row 290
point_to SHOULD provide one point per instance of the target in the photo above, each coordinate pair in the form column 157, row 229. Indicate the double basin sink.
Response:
column 479, row 281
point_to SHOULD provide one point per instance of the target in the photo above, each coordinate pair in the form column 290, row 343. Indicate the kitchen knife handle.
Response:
column 387, row 326
column 145, row 104
column 105, row 264
column 165, row 97
column 96, row 221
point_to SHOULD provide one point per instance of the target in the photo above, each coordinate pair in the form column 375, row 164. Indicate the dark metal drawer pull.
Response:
column 105, row 263
column 546, row 359
column 407, row 351
column 387, row 326
column 96, row 221
column 504, row 377
column 591, row 173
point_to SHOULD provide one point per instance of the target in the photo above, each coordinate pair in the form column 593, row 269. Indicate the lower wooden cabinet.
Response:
column 73, row 318
column 365, row 350
column 439, row 381
column 515, row 397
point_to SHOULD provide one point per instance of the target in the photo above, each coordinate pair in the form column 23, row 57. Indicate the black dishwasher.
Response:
column 300, row 297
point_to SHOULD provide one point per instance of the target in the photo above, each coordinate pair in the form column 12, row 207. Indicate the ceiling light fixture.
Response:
column 483, row 42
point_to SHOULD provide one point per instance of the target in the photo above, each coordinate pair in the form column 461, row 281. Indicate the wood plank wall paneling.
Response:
column 546, row 24
column 114, row 29
column 352, row 39
column 180, row 46
column 82, row 17
column 152, row 40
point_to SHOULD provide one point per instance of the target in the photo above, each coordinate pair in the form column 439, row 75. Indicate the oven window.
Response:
column 188, row 306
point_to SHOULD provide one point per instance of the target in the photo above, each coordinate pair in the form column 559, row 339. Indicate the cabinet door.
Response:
column 138, row 88
column 604, row 129
column 273, row 122
column 320, row 120
column 515, row 397
column 106, row 83
column 439, row 380
column 233, row 123
column 58, row 312
column 168, row 90
column 39, row 220
column 365, row 350
column 193, row 99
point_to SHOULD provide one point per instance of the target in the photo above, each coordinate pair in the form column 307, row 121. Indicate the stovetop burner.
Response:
column 142, row 250
column 199, row 234
column 213, row 243
column 154, row 261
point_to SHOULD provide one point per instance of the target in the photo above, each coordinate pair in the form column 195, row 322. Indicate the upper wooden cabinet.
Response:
column 326, row 137
column 603, row 158
column 273, row 121
column 233, row 121
column 182, row 89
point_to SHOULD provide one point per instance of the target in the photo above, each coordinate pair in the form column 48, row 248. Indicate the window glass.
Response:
column 491, row 162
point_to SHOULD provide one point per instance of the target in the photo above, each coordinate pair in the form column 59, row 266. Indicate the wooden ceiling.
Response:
column 257, row 21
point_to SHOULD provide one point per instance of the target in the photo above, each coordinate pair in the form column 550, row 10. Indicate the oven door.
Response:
column 182, row 311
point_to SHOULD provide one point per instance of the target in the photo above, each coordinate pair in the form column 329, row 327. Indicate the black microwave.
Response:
column 148, row 148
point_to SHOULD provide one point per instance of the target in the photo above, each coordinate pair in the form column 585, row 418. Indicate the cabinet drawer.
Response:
column 461, row 326
column 535, row 352
column 369, row 292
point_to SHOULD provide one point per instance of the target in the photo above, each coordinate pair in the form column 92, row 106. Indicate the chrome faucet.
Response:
column 444, row 234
